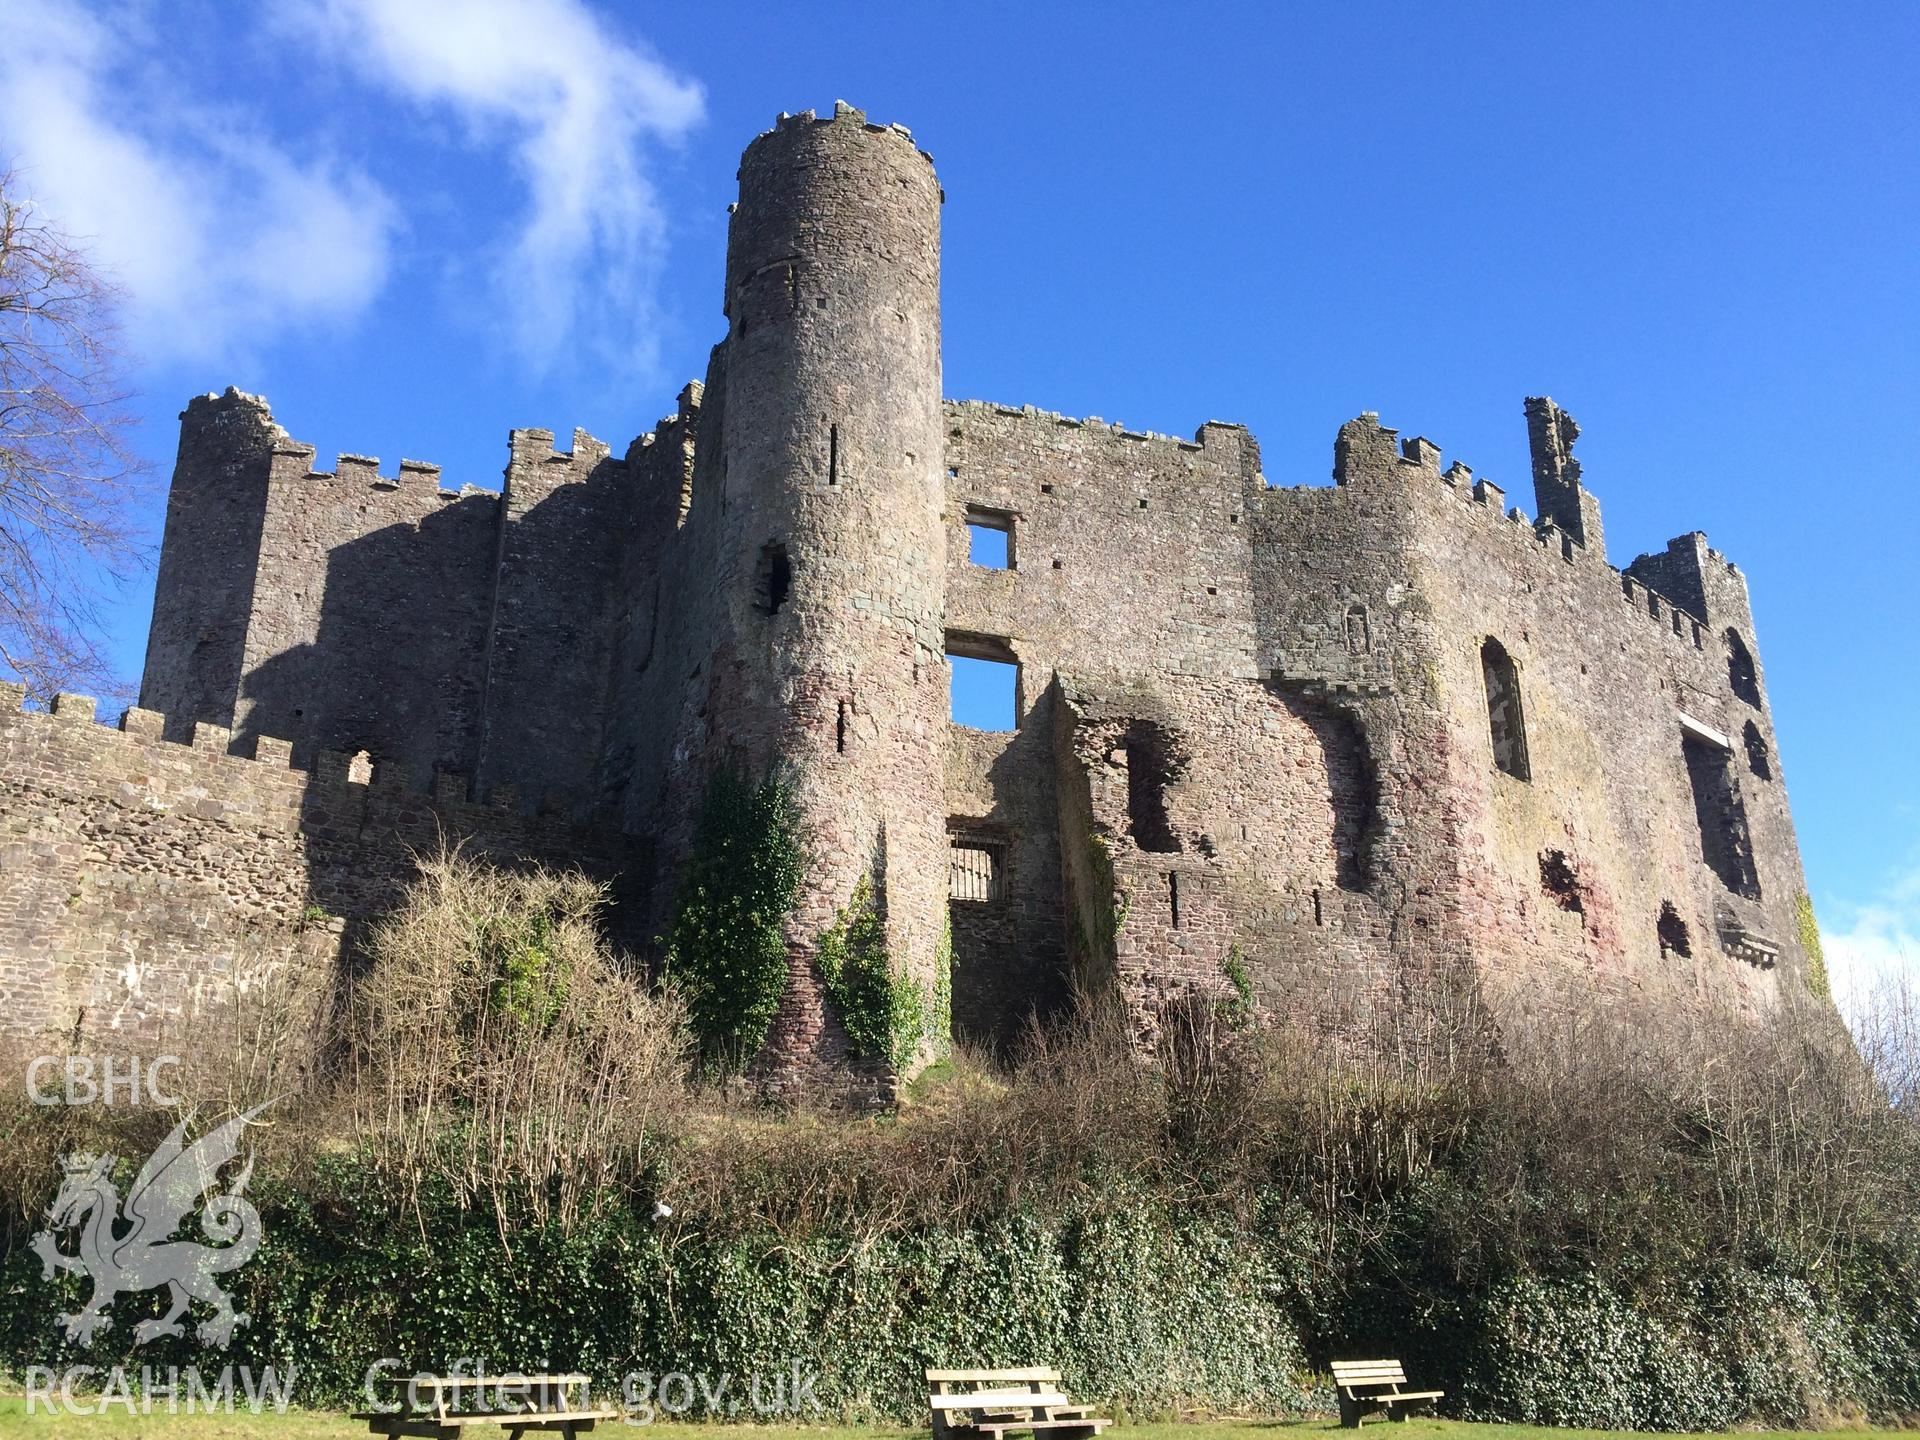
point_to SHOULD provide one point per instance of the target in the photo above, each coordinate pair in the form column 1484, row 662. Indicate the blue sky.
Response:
column 413, row 225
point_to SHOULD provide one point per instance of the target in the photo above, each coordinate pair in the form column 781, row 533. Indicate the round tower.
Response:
column 832, row 492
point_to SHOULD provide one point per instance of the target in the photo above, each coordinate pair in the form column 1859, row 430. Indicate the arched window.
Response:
column 1504, row 712
column 1741, row 674
column 1759, row 761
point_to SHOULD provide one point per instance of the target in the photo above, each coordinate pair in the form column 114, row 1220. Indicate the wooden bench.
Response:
column 1369, row 1385
column 994, row 1402
column 429, row 1406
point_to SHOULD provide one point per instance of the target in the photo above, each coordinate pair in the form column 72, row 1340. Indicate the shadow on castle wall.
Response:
column 474, row 641
column 1010, row 966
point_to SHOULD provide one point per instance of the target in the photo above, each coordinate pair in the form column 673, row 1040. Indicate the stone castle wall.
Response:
column 1615, row 679
column 144, row 882
column 1129, row 560
column 346, row 609
column 1368, row 741
column 1303, row 782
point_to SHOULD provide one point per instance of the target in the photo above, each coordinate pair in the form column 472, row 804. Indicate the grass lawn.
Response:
column 317, row 1425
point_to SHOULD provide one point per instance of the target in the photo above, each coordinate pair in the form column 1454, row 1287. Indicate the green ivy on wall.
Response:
column 726, row 949
column 1139, row 1304
column 1142, row 1303
column 885, row 1014
column 1810, row 942
column 1110, row 914
column 1238, row 1011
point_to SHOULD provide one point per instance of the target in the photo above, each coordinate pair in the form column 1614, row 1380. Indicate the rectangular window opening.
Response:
column 833, row 455
column 1726, row 845
column 986, row 683
column 989, row 538
column 976, row 871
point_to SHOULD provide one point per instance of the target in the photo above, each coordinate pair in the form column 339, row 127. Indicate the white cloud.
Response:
column 225, row 235
column 1867, row 946
column 219, row 235
column 576, row 106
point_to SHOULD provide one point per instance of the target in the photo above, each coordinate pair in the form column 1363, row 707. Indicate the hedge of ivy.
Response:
column 1144, row 1306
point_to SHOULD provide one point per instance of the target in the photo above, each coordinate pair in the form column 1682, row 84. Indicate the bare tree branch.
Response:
column 69, row 479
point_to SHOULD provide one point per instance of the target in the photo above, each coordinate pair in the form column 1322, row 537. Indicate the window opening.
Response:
column 1504, row 712
column 989, row 538
column 1725, row 842
column 774, row 578
column 985, row 692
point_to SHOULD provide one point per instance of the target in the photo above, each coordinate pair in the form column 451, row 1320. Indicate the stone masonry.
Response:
column 1366, row 743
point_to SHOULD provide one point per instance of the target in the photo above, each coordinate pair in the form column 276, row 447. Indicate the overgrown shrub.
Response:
column 497, row 1047
column 1142, row 1306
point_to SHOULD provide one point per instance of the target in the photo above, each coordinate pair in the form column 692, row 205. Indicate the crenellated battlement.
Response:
column 843, row 114
column 230, row 406
column 1418, row 460
column 330, row 774
column 1211, row 431
column 535, row 446
column 294, row 460
column 294, row 463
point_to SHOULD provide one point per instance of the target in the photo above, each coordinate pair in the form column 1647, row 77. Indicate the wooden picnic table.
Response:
column 430, row 1406
column 994, row 1403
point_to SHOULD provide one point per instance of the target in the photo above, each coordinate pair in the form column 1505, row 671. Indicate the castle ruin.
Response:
column 1343, row 741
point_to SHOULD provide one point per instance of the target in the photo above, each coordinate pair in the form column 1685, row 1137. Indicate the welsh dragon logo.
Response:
column 132, row 1248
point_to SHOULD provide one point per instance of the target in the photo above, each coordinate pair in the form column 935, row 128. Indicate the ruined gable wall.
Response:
column 142, row 881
